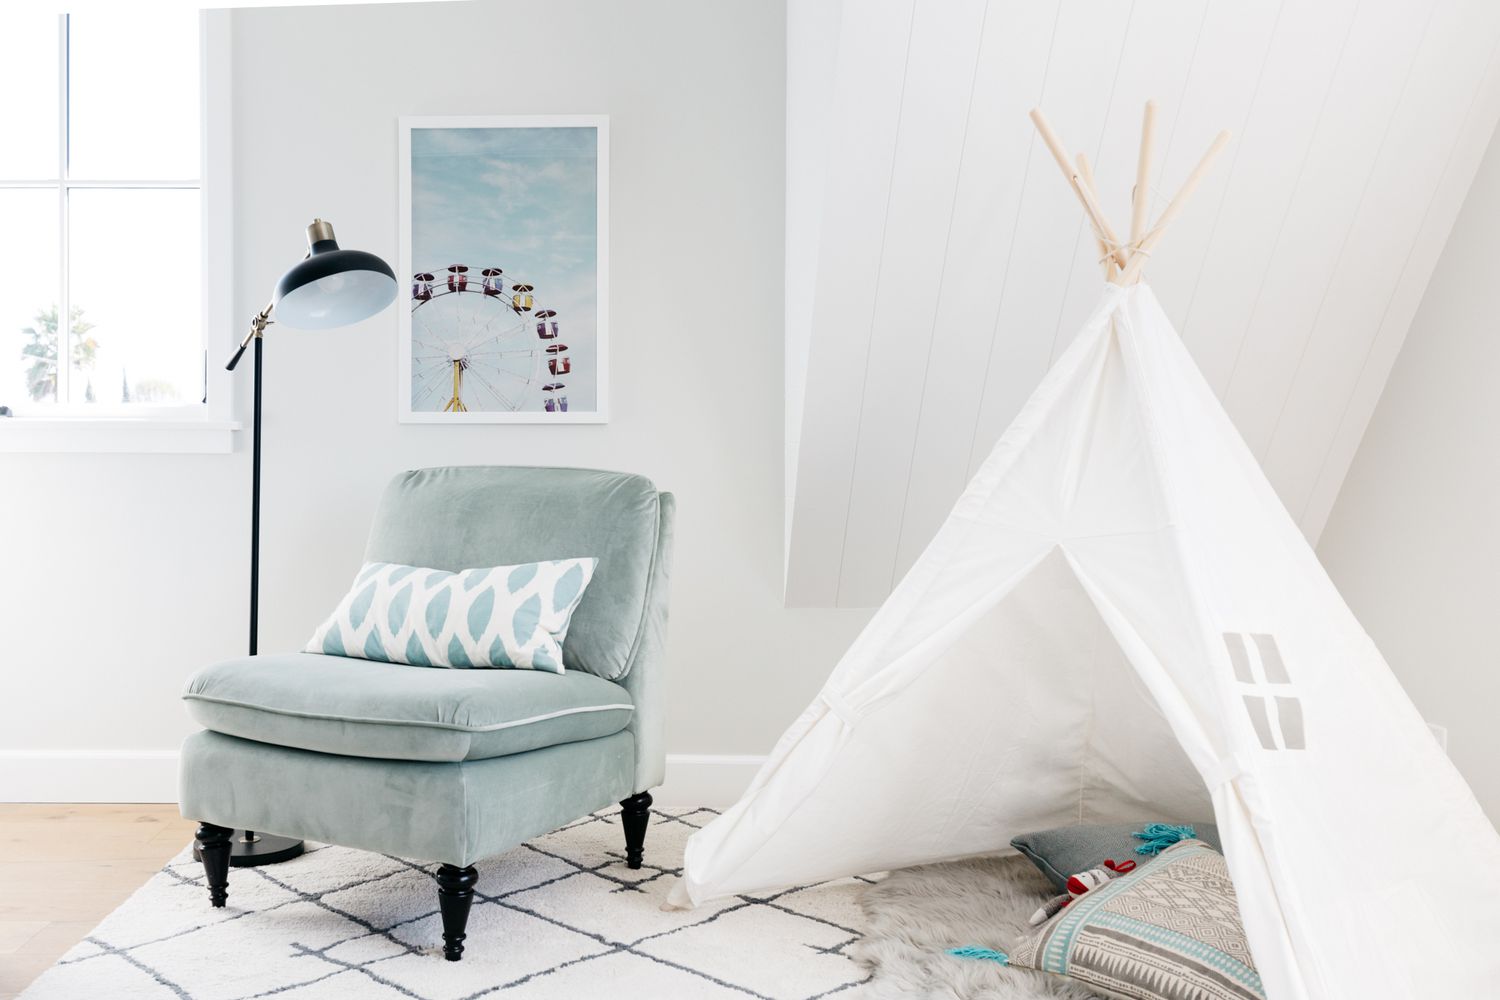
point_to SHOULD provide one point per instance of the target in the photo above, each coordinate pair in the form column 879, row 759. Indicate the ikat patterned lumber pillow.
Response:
column 1170, row 930
column 501, row 616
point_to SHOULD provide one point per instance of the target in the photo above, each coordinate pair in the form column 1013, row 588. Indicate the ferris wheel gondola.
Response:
column 472, row 345
column 546, row 323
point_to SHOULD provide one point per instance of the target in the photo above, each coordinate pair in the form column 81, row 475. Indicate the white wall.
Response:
column 812, row 42
column 124, row 573
column 1414, row 539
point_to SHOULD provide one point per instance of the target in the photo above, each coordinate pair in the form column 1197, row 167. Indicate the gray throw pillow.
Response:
column 1069, row 850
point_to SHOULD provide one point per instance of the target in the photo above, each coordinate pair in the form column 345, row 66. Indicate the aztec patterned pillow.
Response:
column 1170, row 930
column 502, row 616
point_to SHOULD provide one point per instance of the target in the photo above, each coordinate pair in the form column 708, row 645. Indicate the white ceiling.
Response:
column 952, row 262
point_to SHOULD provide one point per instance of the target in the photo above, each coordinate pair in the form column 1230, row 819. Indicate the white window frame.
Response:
column 206, row 427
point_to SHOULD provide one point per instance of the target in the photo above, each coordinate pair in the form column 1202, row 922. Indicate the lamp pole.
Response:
column 258, row 335
column 247, row 847
column 260, row 345
column 305, row 300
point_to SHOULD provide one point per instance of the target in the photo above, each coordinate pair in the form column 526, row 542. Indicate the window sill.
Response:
column 138, row 435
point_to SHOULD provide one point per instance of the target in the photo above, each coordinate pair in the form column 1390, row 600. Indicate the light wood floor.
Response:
column 64, row 867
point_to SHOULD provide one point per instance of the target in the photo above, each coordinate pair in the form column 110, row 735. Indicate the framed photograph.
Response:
column 505, row 264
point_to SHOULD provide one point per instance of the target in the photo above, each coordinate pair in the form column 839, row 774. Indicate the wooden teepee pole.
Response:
column 1106, row 259
column 1090, row 206
column 1174, row 208
column 1140, row 197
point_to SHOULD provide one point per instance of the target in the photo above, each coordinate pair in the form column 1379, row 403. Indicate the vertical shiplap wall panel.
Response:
column 1261, row 175
column 993, row 179
column 1228, row 70
column 1353, row 131
column 1400, row 300
column 867, row 103
column 1159, row 52
column 941, row 61
column 1422, row 131
column 1086, row 52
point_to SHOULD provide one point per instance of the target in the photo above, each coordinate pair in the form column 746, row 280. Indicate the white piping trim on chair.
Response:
column 512, row 724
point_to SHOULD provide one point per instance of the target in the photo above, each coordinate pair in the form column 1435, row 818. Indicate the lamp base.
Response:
column 259, row 849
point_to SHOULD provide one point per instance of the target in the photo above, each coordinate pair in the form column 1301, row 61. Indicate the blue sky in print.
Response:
column 523, row 200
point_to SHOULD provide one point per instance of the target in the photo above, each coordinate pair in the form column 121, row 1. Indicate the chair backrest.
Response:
column 461, row 517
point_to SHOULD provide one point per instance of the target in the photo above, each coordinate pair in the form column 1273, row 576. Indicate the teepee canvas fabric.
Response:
column 1119, row 621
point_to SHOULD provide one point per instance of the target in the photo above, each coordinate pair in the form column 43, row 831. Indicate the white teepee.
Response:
column 1119, row 621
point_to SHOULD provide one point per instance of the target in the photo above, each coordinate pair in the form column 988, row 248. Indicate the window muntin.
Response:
column 109, row 226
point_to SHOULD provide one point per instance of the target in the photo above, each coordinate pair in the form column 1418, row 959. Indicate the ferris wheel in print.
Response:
column 480, row 344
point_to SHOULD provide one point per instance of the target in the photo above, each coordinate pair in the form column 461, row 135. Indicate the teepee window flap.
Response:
column 1269, row 697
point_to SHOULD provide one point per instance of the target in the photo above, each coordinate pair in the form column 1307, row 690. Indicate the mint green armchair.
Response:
column 447, row 765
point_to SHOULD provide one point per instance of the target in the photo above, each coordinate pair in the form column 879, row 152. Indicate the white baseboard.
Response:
column 88, row 775
column 715, row 780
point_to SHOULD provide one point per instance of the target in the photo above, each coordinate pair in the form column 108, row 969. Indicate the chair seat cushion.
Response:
column 359, row 708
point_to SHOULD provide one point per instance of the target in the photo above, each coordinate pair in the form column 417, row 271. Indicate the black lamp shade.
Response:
column 333, row 287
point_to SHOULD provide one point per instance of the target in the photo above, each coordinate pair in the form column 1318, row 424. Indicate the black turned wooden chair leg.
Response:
column 455, row 896
column 635, row 812
column 214, row 847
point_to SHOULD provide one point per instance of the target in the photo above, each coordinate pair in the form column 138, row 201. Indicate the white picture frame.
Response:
column 465, row 323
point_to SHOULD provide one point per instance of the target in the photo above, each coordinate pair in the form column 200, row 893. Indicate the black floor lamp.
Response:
column 328, row 288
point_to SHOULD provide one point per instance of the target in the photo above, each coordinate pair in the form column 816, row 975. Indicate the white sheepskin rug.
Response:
column 913, row 916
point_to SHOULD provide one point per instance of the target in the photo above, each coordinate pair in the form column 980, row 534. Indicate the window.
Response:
column 101, row 208
column 1266, row 689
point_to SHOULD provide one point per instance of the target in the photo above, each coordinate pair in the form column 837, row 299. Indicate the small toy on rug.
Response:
column 1078, row 885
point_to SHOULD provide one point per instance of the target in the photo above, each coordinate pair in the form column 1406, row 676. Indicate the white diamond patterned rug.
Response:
column 559, row 917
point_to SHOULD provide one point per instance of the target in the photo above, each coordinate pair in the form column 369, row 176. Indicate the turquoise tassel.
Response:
column 1159, row 836
column 983, row 954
